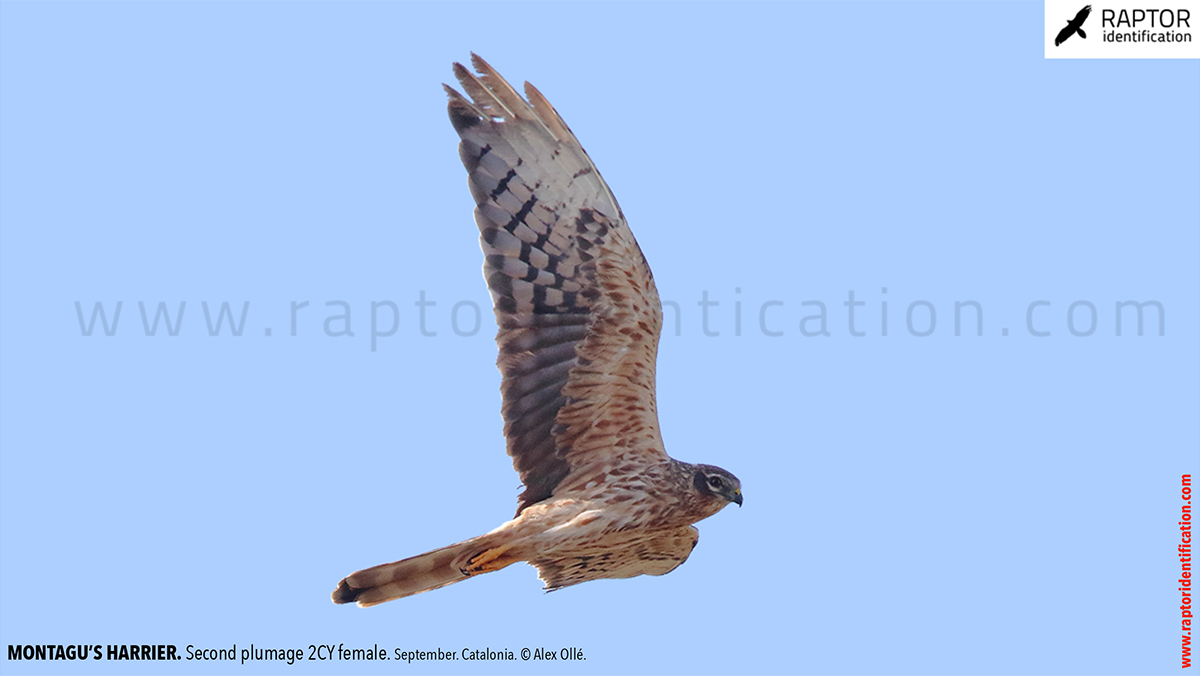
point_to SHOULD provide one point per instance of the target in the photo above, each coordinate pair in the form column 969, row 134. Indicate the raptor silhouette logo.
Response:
column 1074, row 26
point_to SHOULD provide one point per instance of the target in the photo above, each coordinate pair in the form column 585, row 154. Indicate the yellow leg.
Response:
column 488, row 561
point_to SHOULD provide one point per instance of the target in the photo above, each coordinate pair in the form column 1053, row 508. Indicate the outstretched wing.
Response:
column 1082, row 16
column 578, row 313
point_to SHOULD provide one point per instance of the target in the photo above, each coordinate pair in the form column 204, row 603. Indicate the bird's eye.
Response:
column 714, row 481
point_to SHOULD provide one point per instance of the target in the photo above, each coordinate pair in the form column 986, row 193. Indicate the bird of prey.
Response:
column 579, row 320
column 1074, row 26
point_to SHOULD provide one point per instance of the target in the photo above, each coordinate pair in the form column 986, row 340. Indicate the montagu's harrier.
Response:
column 579, row 320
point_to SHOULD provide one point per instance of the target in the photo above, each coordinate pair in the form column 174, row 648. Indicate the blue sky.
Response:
column 941, row 503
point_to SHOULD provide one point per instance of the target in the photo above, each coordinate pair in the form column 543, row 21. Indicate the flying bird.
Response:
column 1074, row 26
column 579, row 320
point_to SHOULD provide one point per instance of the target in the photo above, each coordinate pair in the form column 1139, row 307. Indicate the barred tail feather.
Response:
column 414, row 575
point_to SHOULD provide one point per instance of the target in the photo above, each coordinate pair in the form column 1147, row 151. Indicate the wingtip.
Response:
column 462, row 115
column 460, row 71
column 480, row 65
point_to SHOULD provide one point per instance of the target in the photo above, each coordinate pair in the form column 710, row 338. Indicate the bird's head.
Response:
column 715, row 484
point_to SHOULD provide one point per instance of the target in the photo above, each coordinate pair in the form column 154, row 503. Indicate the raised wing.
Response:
column 1082, row 16
column 577, row 309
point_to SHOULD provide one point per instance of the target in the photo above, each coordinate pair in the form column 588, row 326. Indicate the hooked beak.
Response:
column 737, row 497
